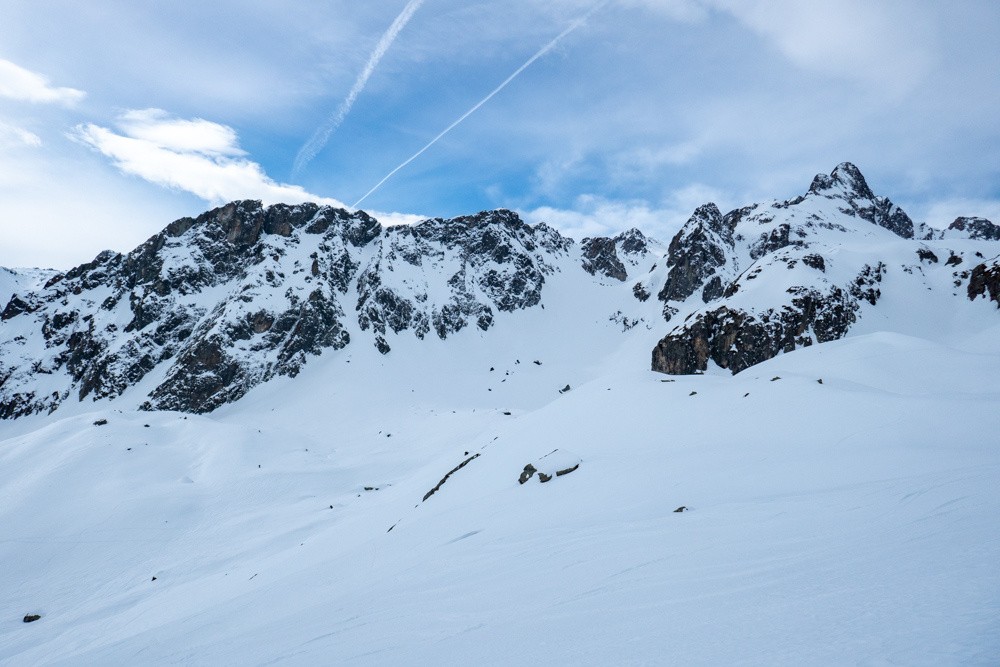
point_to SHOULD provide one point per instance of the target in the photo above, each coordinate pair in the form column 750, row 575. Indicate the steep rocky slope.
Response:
column 213, row 306
column 770, row 278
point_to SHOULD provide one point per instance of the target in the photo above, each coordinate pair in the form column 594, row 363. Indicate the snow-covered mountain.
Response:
column 213, row 306
column 317, row 440
column 770, row 278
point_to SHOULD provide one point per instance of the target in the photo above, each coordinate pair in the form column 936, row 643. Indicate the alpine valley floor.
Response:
column 844, row 508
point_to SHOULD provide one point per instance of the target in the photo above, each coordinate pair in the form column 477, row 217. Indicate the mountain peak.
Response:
column 846, row 178
column 848, row 184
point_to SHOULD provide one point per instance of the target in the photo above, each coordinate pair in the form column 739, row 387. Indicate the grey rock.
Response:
column 702, row 245
column 984, row 280
column 526, row 474
column 977, row 229
column 735, row 339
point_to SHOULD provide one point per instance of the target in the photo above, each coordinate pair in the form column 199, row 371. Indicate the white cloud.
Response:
column 882, row 43
column 597, row 216
column 196, row 156
column 394, row 219
column 182, row 136
column 18, row 83
column 199, row 157
column 11, row 135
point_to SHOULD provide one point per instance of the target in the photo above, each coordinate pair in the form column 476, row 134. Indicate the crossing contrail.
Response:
column 541, row 52
column 319, row 138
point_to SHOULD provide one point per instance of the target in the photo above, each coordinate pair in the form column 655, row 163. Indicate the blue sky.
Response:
column 118, row 117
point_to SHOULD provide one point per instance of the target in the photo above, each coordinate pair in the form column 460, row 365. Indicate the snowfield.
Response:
column 849, row 521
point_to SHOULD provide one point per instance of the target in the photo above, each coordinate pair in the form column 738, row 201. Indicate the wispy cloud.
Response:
column 158, row 128
column 538, row 54
column 11, row 135
column 322, row 135
column 18, row 83
column 196, row 156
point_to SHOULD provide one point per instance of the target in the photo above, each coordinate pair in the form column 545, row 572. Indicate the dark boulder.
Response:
column 526, row 474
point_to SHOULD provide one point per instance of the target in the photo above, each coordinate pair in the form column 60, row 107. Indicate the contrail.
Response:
column 322, row 135
column 541, row 52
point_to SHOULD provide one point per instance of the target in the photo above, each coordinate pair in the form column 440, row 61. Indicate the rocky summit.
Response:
column 213, row 306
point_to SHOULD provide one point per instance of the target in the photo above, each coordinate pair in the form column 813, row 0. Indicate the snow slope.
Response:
column 13, row 281
column 849, row 521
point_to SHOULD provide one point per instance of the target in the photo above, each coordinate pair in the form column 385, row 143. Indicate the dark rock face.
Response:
column 736, row 340
column 611, row 257
column 778, row 238
column 498, row 256
column 815, row 261
column 526, row 474
column 985, row 281
column 924, row 232
column 244, row 293
column 977, row 229
column 702, row 246
column 599, row 256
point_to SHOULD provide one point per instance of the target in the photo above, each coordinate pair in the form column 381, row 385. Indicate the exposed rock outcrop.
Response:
column 613, row 256
column 772, row 306
column 556, row 463
column 985, row 281
column 700, row 248
column 736, row 339
column 977, row 229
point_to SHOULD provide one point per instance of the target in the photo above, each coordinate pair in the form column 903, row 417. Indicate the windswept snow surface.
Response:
column 850, row 521
column 19, row 281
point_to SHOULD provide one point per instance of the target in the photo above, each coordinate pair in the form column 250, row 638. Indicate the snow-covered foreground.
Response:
column 850, row 521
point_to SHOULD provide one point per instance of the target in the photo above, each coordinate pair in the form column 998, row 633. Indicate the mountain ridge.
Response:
column 215, row 305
